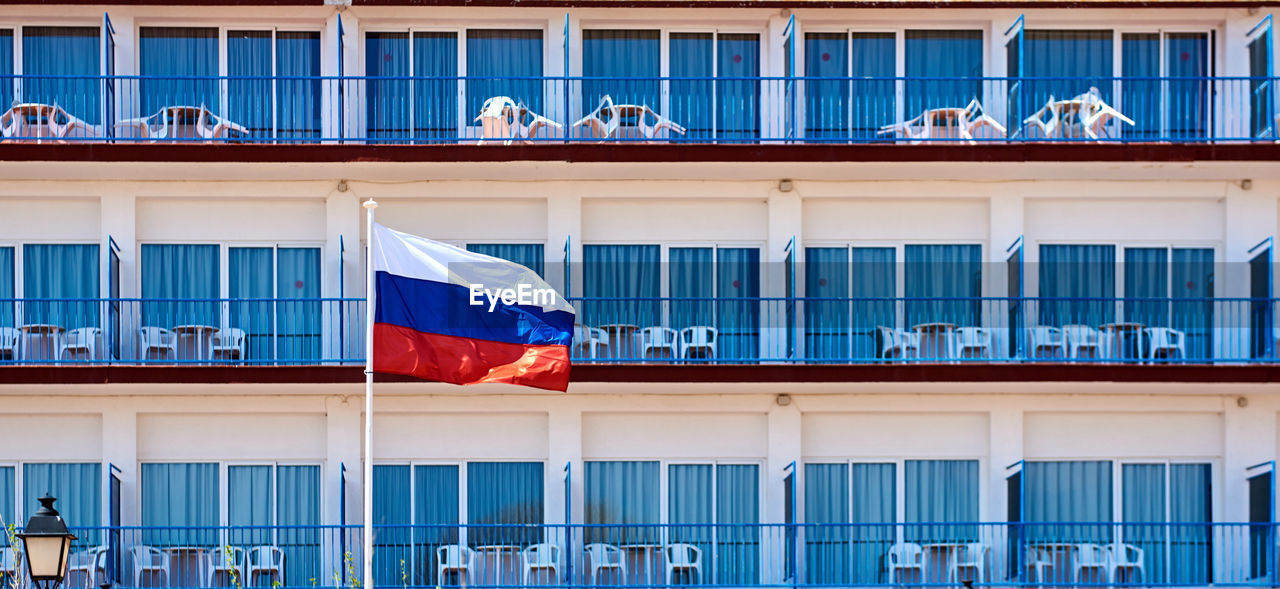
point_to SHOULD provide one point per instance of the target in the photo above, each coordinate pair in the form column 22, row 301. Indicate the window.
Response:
column 179, row 66
column 288, row 107
column 432, row 61
column 7, row 290
column 180, row 271
column 53, row 273
column 621, row 54
column 1070, row 61
column 718, row 97
column 936, row 272
column 939, row 497
column 6, row 66
column 52, row 58
column 504, row 62
column 265, row 279
column 841, row 107
column 1078, row 281
column 945, row 56
column 835, row 326
column 621, row 271
column 1178, row 106
column 76, row 485
column 263, row 496
column 713, row 507
column 529, row 255
column 180, row 504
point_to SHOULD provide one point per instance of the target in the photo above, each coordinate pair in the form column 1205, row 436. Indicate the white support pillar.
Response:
column 564, row 221
column 565, row 438
column 120, row 449
column 785, row 214
column 784, row 449
column 343, row 429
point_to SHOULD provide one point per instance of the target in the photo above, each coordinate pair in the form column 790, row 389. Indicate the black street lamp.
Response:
column 46, row 545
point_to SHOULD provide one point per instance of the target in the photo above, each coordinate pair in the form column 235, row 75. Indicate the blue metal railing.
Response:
column 429, row 110
column 635, row 556
column 672, row 330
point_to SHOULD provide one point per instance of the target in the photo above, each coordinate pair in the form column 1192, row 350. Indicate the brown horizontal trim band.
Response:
column 922, row 373
column 588, row 153
column 965, row 4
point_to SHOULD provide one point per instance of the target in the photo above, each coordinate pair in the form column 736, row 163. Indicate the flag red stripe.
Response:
column 460, row 360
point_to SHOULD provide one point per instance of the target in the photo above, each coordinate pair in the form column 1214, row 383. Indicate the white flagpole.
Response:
column 369, row 205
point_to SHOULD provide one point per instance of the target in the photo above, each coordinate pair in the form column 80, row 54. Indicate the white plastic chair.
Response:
column 898, row 342
column 228, row 344
column 265, row 560
column 157, row 339
column 1082, row 337
column 589, row 340
column 660, row 339
column 595, row 124
column 227, row 562
column 683, row 558
column 1039, row 563
column 971, row 557
column 607, row 557
column 9, row 338
column 904, row 556
column 1164, row 342
column 501, row 118
column 1128, row 558
column 541, row 557
column 454, row 559
column 971, row 340
column 1046, row 339
column 80, row 340
column 90, row 563
column 149, row 560
column 40, row 123
column 699, row 338
column 1089, row 558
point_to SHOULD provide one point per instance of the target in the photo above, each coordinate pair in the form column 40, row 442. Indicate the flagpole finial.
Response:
column 370, row 204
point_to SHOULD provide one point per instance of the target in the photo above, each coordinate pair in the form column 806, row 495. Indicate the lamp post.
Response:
column 46, row 545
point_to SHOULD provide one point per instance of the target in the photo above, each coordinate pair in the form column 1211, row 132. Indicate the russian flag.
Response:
column 446, row 314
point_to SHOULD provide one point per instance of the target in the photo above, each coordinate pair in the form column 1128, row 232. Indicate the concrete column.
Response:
column 343, row 265
column 1250, row 439
column 785, row 213
column 1006, row 449
column 565, row 447
column 120, row 449
column 344, row 443
column 564, row 221
column 118, row 221
column 784, row 450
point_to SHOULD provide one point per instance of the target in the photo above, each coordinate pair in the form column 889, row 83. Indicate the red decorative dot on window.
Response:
column 1185, row 56
column 826, row 57
column 737, row 59
column 297, row 284
column 386, row 57
column 822, row 282
column 736, row 284
column 1191, row 285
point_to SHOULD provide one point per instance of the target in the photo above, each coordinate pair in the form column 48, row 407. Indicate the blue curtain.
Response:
column 507, row 497
column 1070, row 61
column 691, row 276
column 60, row 272
column 691, row 69
column 826, row 101
column 249, row 80
column 738, row 86
column 1193, row 279
column 1086, row 274
column 179, row 66
column 7, row 294
column 1146, row 276
column 1187, row 65
column 6, row 67
column 621, row 502
column 392, row 517
column 435, row 516
column 738, row 516
column 875, row 102
column 529, row 255
column 8, row 499
column 826, row 306
column 874, row 288
column 737, row 305
column 180, row 272
column 615, row 55
column 78, row 488
column 60, row 66
column 298, row 321
column 386, row 65
column 946, row 56
column 689, row 508
column 180, row 503
column 938, row 272
column 298, row 512
column 874, row 509
column 621, row 271
column 299, row 88
column 250, row 505
column 941, row 492
column 1068, row 501
column 1190, row 510
column 251, row 271
column 435, row 72
column 826, row 535
column 1143, row 506
column 504, row 62
column 1140, row 92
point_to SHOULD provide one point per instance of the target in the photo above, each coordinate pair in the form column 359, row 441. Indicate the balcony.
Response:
column 681, row 554
column 281, row 332
column 560, row 110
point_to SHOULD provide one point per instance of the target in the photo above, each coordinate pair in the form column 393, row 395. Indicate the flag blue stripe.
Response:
column 428, row 306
